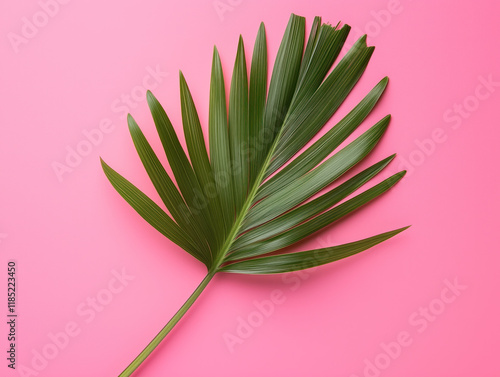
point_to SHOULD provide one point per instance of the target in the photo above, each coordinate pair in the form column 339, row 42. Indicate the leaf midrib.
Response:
column 246, row 206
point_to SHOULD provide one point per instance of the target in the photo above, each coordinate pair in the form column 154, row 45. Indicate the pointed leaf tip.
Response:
column 181, row 77
column 150, row 98
column 241, row 45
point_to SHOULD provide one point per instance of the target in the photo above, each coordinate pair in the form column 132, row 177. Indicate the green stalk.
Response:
column 215, row 268
column 184, row 308
column 169, row 326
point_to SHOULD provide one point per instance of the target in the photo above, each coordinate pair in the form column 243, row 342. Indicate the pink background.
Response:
column 68, row 235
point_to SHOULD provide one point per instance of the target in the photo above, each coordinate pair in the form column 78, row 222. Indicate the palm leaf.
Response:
column 232, row 207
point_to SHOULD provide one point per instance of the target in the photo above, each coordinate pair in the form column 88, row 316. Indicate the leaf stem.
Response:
column 169, row 326
column 214, row 269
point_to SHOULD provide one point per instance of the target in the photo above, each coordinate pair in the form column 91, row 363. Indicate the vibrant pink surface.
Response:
column 70, row 237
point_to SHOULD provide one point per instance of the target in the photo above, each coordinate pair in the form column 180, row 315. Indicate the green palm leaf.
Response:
column 232, row 207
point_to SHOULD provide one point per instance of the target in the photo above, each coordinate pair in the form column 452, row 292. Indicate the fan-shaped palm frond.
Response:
column 234, row 207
